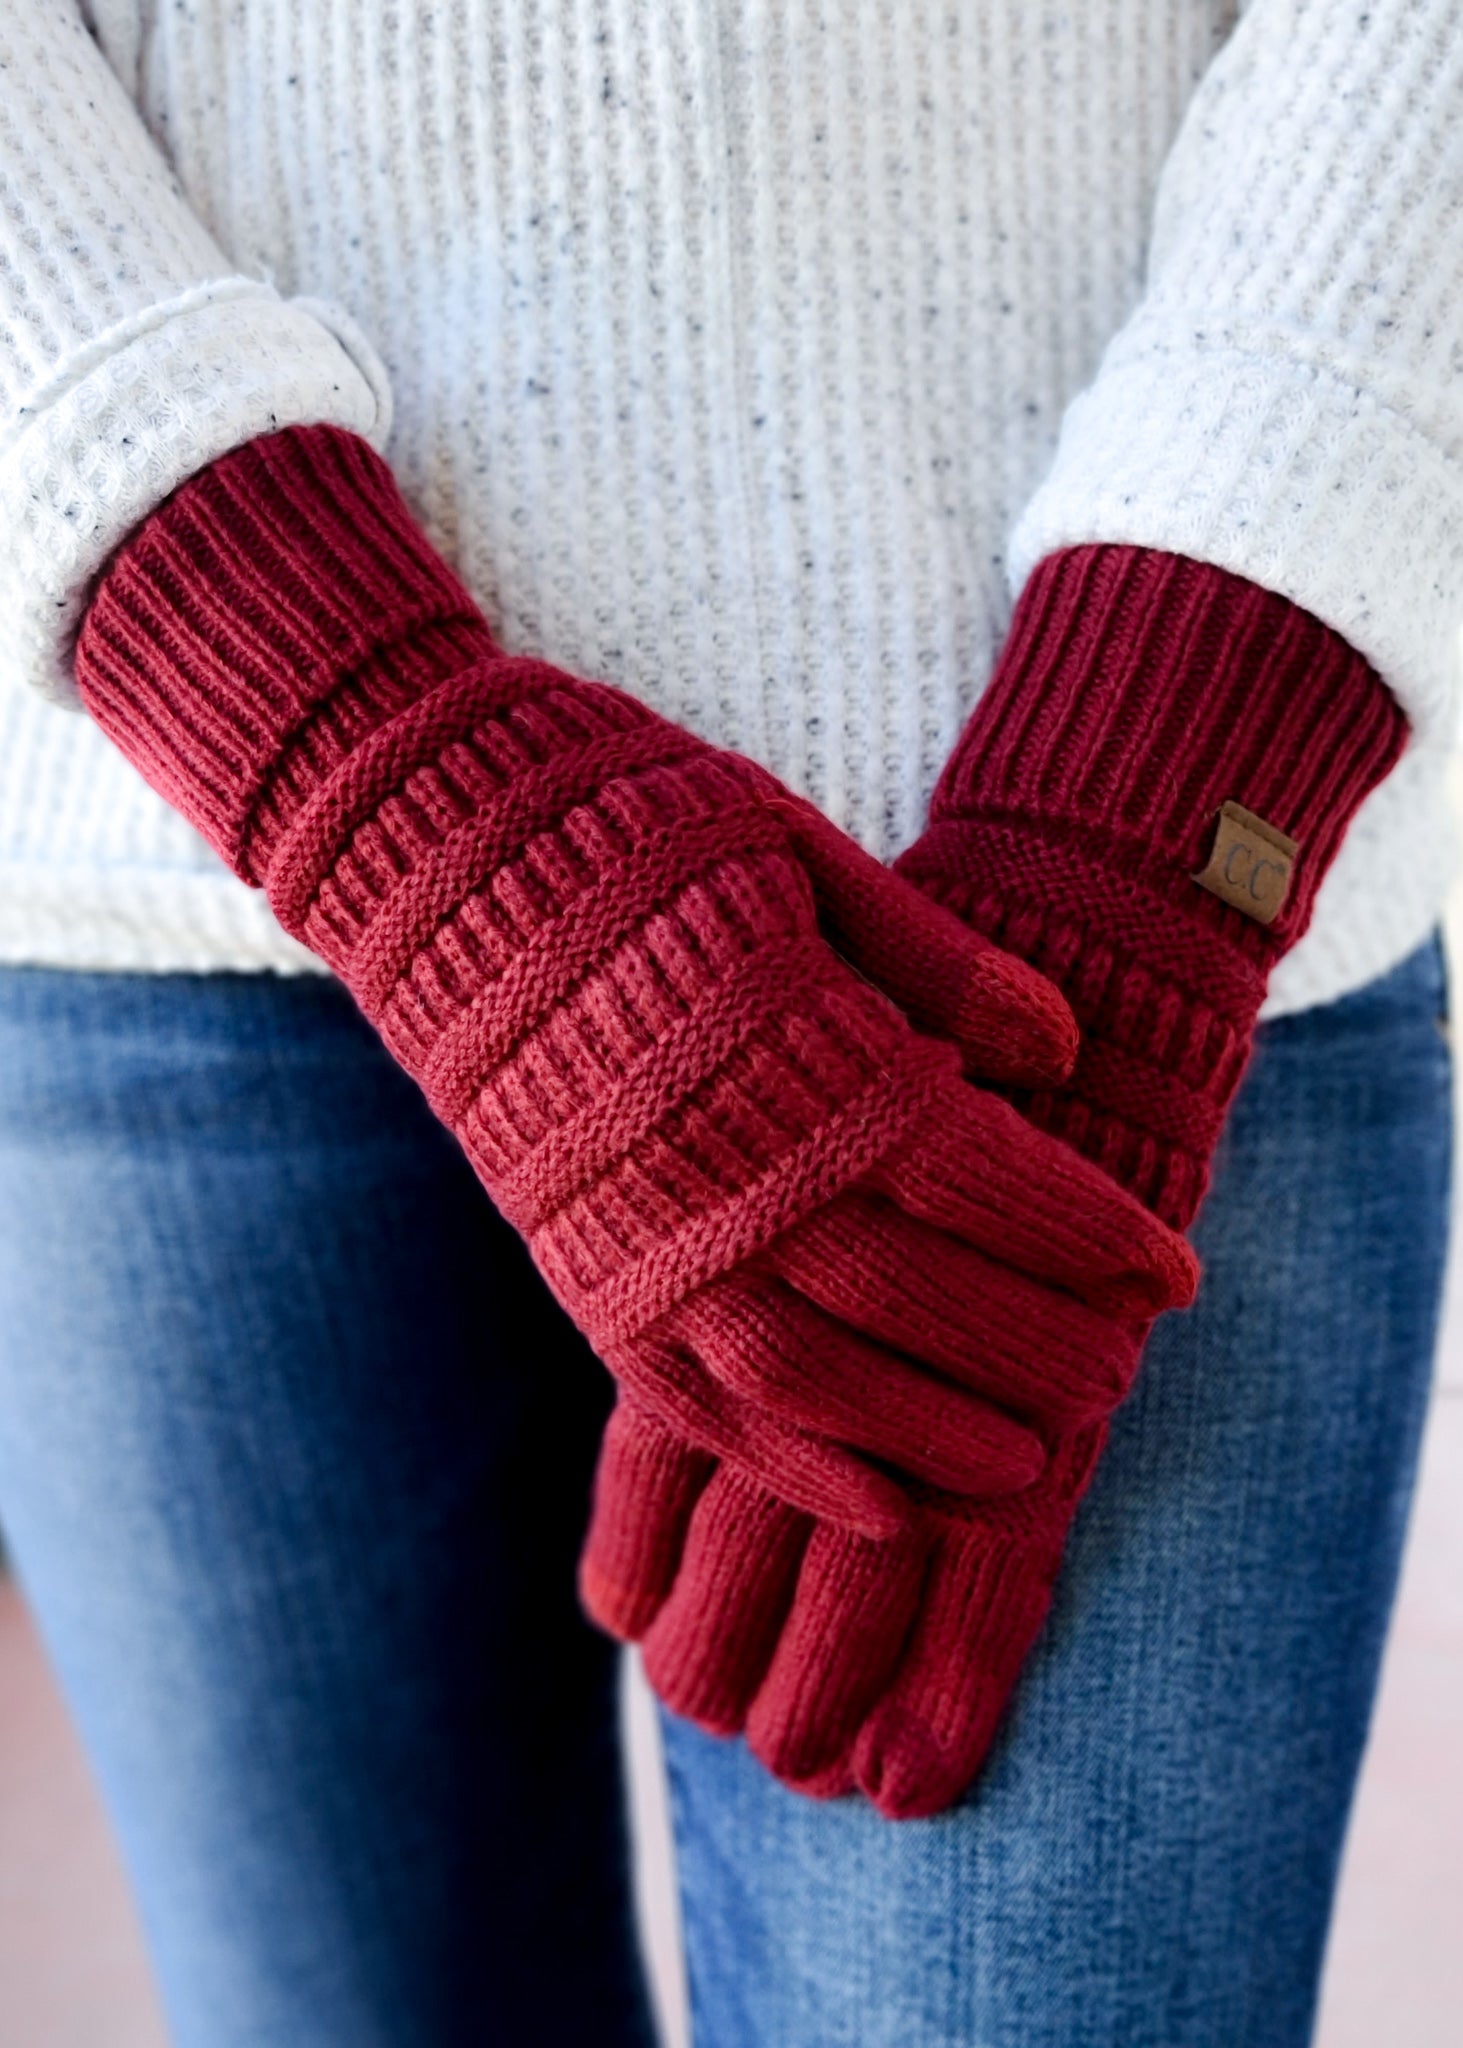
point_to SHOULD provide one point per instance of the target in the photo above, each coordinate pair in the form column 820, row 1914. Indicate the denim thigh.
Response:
column 1149, row 1858
column 295, row 1451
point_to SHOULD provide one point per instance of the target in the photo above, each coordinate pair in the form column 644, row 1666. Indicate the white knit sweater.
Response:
column 745, row 352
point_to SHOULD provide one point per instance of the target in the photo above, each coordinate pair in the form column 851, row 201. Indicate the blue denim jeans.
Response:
column 1149, row 1858
column 294, row 1458
column 295, row 1454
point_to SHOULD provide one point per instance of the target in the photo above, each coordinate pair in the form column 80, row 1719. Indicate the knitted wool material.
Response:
column 592, row 939
column 745, row 355
column 1137, row 693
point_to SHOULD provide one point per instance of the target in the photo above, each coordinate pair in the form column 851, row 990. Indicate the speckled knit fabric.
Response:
column 725, row 350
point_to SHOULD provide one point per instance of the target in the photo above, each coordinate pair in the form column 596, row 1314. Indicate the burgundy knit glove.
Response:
column 1138, row 695
column 1143, row 805
column 595, row 942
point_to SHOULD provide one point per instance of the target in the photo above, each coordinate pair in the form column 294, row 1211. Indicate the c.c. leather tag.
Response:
column 1251, row 864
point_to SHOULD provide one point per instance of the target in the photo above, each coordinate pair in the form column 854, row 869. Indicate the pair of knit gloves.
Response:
column 865, row 1185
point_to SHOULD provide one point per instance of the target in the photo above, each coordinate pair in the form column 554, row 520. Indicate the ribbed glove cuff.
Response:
column 1139, row 693
column 284, row 572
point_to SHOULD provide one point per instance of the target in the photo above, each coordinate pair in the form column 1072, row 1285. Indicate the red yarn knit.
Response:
column 1137, row 693
column 596, row 943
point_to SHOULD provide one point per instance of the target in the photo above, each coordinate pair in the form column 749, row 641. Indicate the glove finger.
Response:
column 986, row 1593
column 707, row 1649
column 851, row 1615
column 667, row 1378
column 646, row 1484
column 1011, row 1023
column 975, row 1168
column 1020, row 1341
column 986, row 1596
column 813, row 1372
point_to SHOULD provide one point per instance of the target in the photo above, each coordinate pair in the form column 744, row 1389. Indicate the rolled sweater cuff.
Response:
column 287, row 573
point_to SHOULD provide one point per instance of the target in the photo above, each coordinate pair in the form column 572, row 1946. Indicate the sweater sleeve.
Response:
column 132, row 352
column 1286, row 402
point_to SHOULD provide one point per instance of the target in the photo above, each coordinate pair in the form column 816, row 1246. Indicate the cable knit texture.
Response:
column 1137, row 693
column 595, row 942
column 729, row 345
